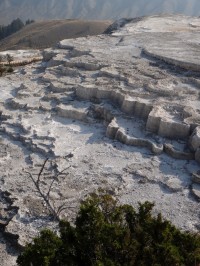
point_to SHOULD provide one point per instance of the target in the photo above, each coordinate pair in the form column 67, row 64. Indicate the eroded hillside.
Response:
column 120, row 111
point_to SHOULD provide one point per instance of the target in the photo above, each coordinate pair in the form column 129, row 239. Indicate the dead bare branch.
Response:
column 41, row 170
column 47, row 195
column 55, row 211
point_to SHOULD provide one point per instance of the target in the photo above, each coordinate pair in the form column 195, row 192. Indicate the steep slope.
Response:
column 47, row 33
column 92, row 9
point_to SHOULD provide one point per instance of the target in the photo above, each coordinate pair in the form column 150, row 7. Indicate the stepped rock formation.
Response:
column 120, row 111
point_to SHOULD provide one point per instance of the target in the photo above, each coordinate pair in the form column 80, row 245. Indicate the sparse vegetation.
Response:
column 10, row 69
column 6, row 68
column 13, row 27
column 29, row 21
column 106, row 233
column 43, row 34
column 45, row 194
column 2, row 70
column 9, row 59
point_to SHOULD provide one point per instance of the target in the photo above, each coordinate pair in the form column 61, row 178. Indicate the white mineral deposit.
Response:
column 120, row 111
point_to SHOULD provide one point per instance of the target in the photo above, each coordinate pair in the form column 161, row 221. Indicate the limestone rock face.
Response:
column 196, row 191
column 164, row 124
column 195, row 139
column 196, row 178
column 118, row 111
column 173, row 129
column 197, row 155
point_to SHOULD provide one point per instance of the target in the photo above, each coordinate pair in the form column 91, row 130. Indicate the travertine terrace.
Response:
column 120, row 111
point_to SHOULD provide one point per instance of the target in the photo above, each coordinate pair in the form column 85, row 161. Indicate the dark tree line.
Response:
column 13, row 27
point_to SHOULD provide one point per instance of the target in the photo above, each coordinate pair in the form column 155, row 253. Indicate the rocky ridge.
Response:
column 120, row 111
column 92, row 9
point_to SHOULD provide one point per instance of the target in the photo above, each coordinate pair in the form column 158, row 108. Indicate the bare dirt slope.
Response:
column 45, row 34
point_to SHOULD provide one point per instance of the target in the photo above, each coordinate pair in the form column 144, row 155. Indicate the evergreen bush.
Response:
column 109, row 234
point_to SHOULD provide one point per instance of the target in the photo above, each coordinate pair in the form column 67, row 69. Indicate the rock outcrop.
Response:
column 111, row 115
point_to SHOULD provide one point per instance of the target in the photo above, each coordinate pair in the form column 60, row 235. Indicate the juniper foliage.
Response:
column 108, row 234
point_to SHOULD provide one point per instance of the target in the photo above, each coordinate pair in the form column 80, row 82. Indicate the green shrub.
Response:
column 10, row 70
column 2, row 70
column 42, row 250
column 109, row 234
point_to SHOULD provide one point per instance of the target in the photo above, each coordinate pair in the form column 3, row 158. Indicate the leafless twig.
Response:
column 55, row 211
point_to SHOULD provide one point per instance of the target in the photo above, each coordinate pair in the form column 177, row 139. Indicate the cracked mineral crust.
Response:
column 119, row 111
